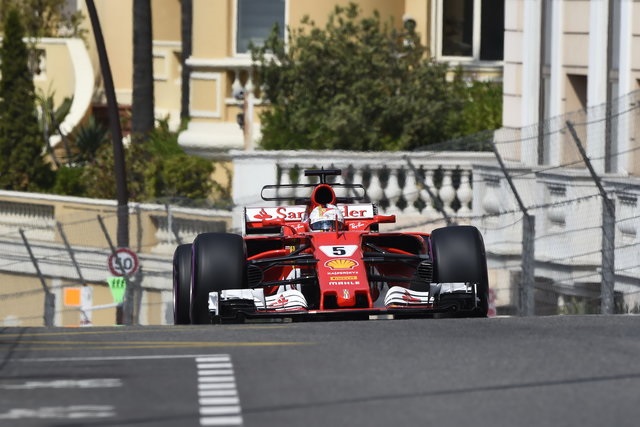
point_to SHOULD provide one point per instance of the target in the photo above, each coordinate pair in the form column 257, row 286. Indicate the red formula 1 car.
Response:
column 323, row 257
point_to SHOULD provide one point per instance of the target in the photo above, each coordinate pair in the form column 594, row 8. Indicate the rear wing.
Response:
column 260, row 220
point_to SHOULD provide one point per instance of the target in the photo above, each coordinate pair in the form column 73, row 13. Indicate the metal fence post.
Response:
column 608, row 232
column 607, row 301
column 526, row 294
column 49, row 297
column 527, row 300
column 124, row 312
column 72, row 256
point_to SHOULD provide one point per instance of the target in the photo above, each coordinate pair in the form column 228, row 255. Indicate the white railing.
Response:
column 154, row 228
column 411, row 184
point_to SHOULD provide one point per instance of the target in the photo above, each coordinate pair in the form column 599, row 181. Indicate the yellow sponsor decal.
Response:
column 341, row 264
column 343, row 278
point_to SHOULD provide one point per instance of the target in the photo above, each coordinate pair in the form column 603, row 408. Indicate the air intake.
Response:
column 425, row 271
column 254, row 275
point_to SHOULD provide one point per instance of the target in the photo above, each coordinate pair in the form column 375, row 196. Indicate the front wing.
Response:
column 287, row 305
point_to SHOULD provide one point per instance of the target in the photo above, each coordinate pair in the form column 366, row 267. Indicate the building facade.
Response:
column 565, row 56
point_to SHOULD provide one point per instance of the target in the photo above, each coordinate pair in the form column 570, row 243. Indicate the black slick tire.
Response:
column 219, row 262
column 182, row 284
column 459, row 256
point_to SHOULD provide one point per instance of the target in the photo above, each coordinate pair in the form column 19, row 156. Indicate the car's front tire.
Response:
column 219, row 262
column 459, row 256
column 182, row 284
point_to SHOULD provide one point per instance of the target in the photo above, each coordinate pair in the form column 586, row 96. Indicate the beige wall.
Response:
column 116, row 21
column 166, row 20
column 22, row 301
column 212, row 28
column 58, row 79
column 320, row 10
column 21, row 294
column 117, row 27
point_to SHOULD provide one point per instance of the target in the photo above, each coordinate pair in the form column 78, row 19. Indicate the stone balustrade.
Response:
column 627, row 204
column 413, row 185
column 154, row 228
column 568, row 213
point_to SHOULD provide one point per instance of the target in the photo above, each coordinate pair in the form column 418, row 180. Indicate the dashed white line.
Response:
column 217, row 379
column 217, row 386
column 215, row 371
column 203, row 393
column 221, row 421
column 217, row 392
column 204, row 401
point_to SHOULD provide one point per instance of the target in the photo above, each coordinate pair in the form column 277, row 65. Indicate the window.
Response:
column 471, row 29
column 255, row 20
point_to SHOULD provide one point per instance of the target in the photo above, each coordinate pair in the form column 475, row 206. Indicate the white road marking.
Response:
column 217, row 379
column 215, row 365
column 61, row 412
column 99, row 358
column 225, row 400
column 221, row 421
column 217, row 386
column 231, row 392
column 217, row 393
column 220, row 410
column 70, row 383
column 218, row 398
column 215, row 371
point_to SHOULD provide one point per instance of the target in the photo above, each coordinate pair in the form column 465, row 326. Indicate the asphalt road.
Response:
column 546, row 371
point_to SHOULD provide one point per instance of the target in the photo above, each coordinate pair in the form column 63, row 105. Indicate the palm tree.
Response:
column 142, row 112
column 186, row 14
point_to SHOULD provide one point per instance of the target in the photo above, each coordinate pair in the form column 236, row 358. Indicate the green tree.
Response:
column 483, row 109
column 46, row 18
column 158, row 169
column 358, row 84
column 22, row 165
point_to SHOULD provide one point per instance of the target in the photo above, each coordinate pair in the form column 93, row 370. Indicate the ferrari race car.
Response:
column 317, row 254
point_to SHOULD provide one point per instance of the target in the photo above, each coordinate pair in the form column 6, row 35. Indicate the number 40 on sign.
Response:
column 123, row 262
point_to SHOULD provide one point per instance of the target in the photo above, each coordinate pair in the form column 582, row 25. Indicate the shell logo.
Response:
column 341, row 264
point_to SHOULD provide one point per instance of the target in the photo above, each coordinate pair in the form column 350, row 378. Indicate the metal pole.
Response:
column 120, row 172
column 70, row 251
column 608, row 143
column 49, row 297
column 527, row 300
column 608, row 232
column 543, row 79
column 170, row 225
column 186, row 25
column 124, row 312
column 607, row 301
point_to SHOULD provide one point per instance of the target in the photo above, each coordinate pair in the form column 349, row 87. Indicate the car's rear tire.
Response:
column 182, row 284
column 459, row 256
column 219, row 262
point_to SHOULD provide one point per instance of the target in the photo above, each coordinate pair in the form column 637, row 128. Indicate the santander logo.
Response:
column 262, row 215
column 296, row 213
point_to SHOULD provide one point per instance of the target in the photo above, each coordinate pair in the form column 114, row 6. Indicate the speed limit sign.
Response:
column 123, row 262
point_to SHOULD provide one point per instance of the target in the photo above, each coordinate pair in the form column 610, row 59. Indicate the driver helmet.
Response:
column 326, row 218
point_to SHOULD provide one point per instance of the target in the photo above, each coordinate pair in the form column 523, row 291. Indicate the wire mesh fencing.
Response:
column 59, row 259
column 559, row 211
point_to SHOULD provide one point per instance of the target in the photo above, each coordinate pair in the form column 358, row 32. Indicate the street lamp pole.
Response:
column 122, row 194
